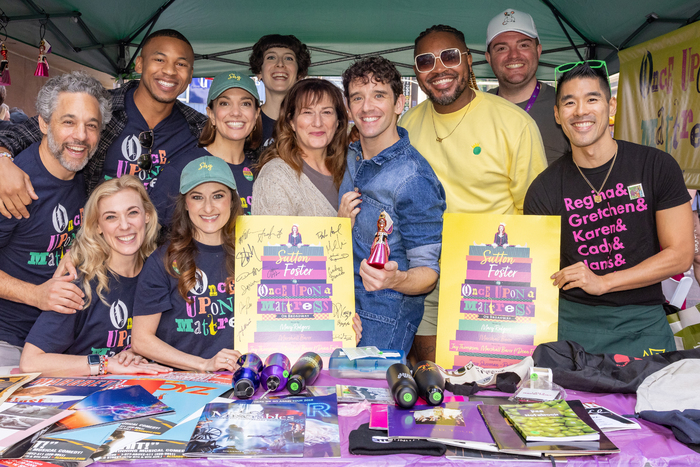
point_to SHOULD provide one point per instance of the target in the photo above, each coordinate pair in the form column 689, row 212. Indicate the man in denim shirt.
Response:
column 385, row 174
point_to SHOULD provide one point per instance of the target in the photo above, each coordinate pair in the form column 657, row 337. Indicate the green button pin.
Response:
column 408, row 397
column 436, row 396
column 294, row 386
column 285, row 373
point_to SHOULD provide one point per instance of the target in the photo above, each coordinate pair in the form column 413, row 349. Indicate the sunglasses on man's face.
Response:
column 146, row 141
column 450, row 58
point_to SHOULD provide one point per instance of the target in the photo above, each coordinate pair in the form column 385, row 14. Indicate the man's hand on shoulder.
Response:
column 16, row 190
column 379, row 279
column 59, row 294
column 579, row 275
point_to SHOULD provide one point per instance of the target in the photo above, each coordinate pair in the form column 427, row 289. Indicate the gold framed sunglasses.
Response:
column 450, row 58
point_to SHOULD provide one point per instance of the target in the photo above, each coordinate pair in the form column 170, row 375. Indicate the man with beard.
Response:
column 485, row 150
column 513, row 50
column 150, row 126
column 73, row 109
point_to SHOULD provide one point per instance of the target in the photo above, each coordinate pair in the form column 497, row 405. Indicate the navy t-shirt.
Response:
column 268, row 129
column 172, row 137
column 164, row 192
column 30, row 249
column 201, row 328
column 99, row 329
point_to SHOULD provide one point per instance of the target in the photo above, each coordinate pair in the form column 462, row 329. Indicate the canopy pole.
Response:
column 94, row 41
column 559, row 17
column 693, row 18
column 651, row 17
column 149, row 23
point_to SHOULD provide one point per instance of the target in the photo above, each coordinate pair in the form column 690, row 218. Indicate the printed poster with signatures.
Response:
column 294, row 285
column 497, row 301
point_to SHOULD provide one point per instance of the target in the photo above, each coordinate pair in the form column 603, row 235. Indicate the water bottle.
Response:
column 304, row 372
column 246, row 379
column 431, row 384
column 403, row 386
column 275, row 373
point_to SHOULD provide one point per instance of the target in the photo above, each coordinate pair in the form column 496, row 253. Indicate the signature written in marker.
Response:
column 245, row 307
column 246, row 287
column 341, row 312
column 272, row 273
column 244, row 327
column 246, row 254
column 338, row 256
column 335, row 272
column 245, row 275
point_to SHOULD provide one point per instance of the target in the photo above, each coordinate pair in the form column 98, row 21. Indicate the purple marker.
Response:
column 275, row 373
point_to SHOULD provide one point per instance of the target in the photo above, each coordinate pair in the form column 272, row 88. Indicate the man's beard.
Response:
column 56, row 151
column 447, row 99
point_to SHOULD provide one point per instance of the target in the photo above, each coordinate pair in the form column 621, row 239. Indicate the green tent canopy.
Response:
column 105, row 35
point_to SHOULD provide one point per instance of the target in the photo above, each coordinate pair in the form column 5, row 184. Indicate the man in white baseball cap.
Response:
column 513, row 50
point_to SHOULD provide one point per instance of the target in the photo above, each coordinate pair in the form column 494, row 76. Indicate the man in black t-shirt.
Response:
column 73, row 109
column 626, row 224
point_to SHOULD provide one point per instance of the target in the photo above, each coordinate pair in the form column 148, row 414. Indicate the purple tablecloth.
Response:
column 653, row 445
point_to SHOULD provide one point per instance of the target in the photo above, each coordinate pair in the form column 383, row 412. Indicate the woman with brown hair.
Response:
column 301, row 173
column 184, row 298
column 232, row 133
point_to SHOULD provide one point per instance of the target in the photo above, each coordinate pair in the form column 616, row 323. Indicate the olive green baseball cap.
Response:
column 206, row 169
column 232, row 79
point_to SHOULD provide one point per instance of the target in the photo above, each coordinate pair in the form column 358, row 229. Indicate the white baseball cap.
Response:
column 511, row 20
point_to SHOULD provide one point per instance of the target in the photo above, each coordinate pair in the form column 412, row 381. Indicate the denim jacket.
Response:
column 399, row 181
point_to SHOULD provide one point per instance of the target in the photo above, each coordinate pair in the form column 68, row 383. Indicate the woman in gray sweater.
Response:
column 301, row 173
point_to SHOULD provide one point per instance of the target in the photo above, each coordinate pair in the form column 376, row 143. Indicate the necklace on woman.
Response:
column 432, row 115
column 598, row 198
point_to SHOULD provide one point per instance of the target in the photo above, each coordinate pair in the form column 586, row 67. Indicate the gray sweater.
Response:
column 279, row 191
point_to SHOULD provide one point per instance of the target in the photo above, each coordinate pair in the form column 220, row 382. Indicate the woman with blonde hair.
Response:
column 184, row 315
column 301, row 173
column 119, row 231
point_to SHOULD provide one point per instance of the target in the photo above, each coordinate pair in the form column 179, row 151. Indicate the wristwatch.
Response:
column 7, row 154
column 94, row 364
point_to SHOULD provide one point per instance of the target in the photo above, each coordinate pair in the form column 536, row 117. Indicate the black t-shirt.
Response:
column 172, row 138
column 30, row 249
column 99, row 329
column 165, row 190
column 268, row 129
column 201, row 328
column 619, row 232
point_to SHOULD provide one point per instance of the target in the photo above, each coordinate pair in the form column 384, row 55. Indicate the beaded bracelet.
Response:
column 104, row 361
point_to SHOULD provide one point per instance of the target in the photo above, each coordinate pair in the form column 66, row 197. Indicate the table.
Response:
column 653, row 445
